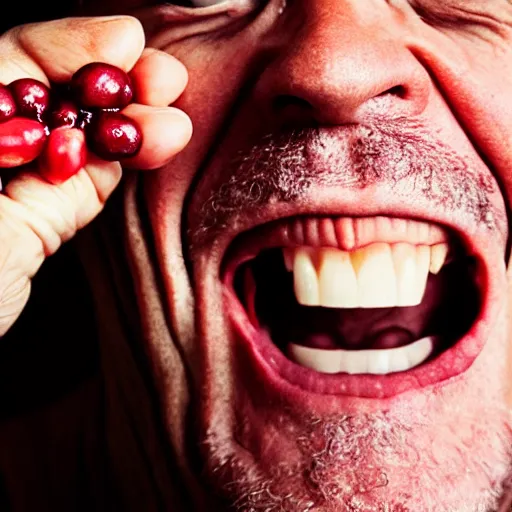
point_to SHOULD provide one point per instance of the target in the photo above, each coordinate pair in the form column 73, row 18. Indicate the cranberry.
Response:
column 63, row 113
column 112, row 136
column 21, row 141
column 31, row 96
column 81, row 114
column 101, row 85
column 64, row 154
column 7, row 104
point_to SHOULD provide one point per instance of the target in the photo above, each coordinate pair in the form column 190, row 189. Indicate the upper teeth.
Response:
column 378, row 275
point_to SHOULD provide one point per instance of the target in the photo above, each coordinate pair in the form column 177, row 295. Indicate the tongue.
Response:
column 365, row 328
column 390, row 337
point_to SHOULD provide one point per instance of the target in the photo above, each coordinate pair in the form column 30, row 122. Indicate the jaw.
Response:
column 275, row 437
column 271, row 442
column 267, row 443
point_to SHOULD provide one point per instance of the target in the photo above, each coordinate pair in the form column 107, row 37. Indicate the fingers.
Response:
column 54, row 50
column 165, row 131
column 53, row 213
column 158, row 78
column 61, row 47
column 37, row 216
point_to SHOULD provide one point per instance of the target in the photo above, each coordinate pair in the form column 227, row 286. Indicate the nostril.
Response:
column 287, row 101
column 399, row 90
column 293, row 110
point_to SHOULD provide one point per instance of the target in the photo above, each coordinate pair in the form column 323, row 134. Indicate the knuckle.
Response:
column 106, row 36
column 11, row 35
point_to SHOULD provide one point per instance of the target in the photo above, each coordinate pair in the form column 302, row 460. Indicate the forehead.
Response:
column 440, row 11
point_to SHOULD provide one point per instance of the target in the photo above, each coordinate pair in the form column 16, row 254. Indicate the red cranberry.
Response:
column 21, row 141
column 112, row 136
column 64, row 154
column 101, row 85
column 31, row 96
column 63, row 113
column 7, row 104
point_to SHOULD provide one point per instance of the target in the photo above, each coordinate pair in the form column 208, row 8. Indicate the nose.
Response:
column 347, row 62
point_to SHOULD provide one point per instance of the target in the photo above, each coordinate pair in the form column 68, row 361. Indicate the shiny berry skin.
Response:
column 101, row 85
column 63, row 113
column 31, row 96
column 63, row 155
column 113, row 136
column 21, row 141
column 7, row 104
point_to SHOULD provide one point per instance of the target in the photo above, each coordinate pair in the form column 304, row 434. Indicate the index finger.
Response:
column 54, row 50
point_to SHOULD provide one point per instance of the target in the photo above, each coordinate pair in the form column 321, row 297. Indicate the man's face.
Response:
column 339, row 221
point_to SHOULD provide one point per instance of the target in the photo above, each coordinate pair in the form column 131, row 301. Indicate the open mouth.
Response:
column 353, row 301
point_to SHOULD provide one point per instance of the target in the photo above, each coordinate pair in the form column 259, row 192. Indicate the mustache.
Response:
column 283, row 167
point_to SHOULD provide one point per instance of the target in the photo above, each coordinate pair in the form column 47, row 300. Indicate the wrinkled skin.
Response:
column 434, row 70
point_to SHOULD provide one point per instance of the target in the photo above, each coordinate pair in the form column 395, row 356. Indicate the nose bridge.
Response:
column 347, row 59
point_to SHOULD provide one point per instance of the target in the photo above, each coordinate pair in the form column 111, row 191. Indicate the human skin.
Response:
column 272, row 442
column 434, row 75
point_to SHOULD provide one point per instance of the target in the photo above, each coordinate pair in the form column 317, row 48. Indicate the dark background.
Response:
column 17, row 12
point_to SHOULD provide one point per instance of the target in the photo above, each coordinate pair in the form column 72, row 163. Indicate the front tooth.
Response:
column 337, row 280
column 398, row 361
column 404, row 259
column 321, row 360
column 438, row 255
column 305, row 280
column 420, row 351
column 375, row 276
column 354, row 362
column 423, row 265
column 378, row 362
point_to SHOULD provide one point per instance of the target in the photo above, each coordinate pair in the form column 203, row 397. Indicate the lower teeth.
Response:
column 375, row 361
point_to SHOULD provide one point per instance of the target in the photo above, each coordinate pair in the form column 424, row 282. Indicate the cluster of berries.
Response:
column 57, row 125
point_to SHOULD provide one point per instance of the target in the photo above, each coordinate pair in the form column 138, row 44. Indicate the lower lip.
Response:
column 275, row 367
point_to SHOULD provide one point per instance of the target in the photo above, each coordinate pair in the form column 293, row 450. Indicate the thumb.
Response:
column 56, row 49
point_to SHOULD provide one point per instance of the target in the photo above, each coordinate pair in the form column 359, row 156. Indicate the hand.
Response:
column 36, row 217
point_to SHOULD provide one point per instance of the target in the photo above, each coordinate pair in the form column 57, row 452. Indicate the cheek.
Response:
column 509, row 353
column 475, row 80
column 493, row 132
column 215, row 79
